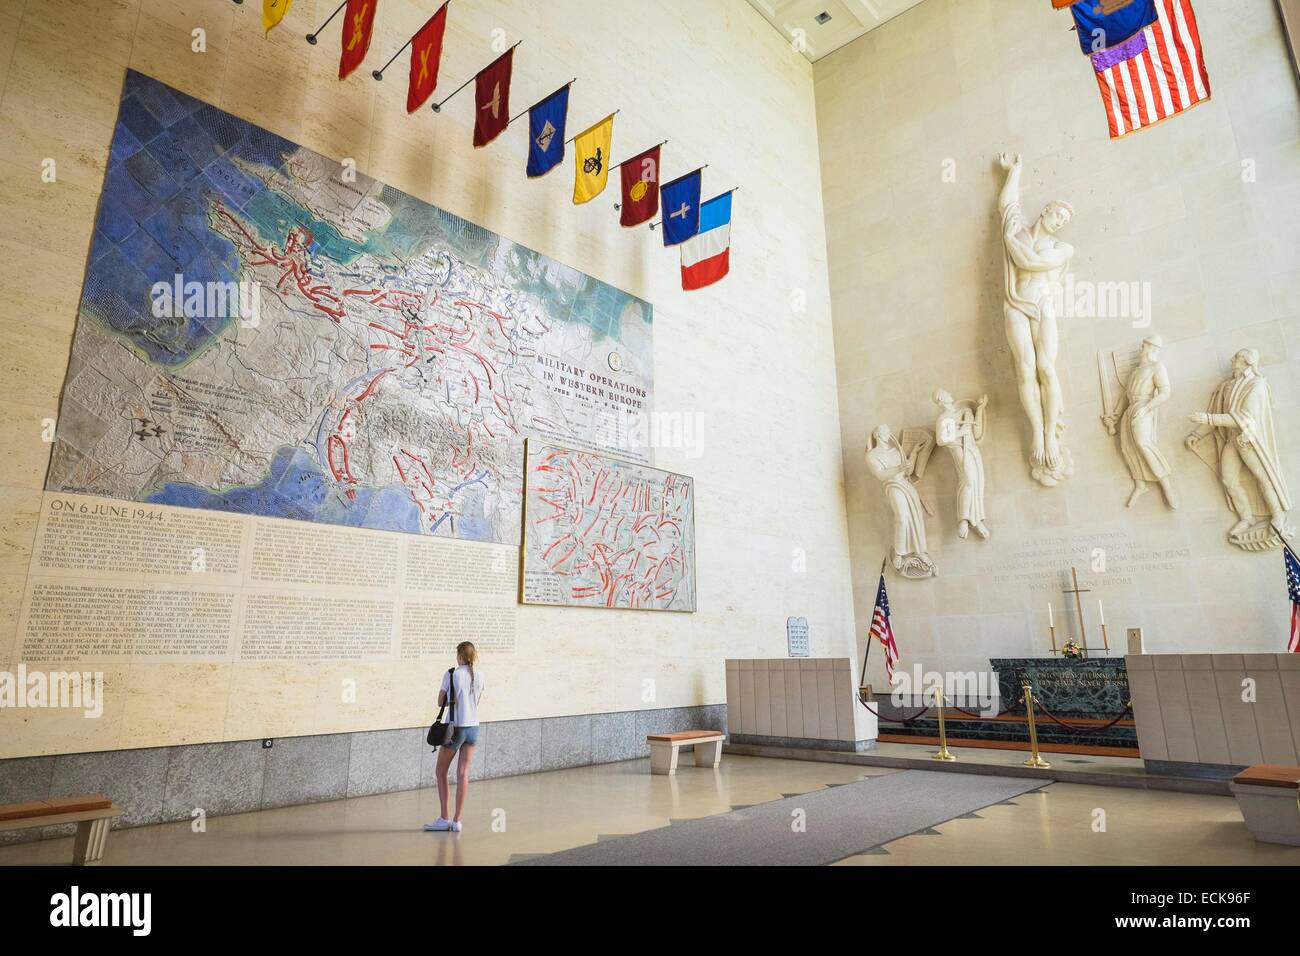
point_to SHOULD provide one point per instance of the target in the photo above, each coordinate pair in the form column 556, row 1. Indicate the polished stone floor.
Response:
column 544, row 812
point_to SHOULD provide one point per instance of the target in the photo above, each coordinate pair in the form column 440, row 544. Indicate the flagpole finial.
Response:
column 311, row 38
column 377, row 74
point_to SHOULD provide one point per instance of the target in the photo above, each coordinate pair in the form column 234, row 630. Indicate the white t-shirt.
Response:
column 466, row 702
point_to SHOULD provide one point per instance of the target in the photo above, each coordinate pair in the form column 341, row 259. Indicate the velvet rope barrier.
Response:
column 905, row 720
column 1128, row 709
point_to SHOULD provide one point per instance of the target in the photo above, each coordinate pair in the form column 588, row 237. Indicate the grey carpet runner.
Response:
column 839, row 822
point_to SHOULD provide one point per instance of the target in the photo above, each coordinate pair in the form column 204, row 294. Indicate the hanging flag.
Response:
column 681, row 205
column 706, row 256
column 492, row 98
column 882, row 630
column 1293, row 590
column 591, row 164
column 640, row 176
column 273, row 12
column 1155, row 74
column 358, row 25
column 426, row 52
column 1103, row 24
column 546, row 132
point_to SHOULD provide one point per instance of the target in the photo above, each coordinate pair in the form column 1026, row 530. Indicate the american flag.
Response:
column 1154, row 74
column 883, row 631
column 1293, row 589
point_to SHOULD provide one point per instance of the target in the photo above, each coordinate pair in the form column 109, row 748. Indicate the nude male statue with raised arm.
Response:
column 1034, row 264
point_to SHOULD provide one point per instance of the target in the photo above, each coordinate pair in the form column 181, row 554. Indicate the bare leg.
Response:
column 1046, row 349
column 444, row 761
column 1139, row 489
column 1171, row 496
column 1021, row 341
column 462, row 777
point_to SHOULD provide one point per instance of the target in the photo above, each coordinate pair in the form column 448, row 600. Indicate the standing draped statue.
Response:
column 960, row 428
column 1033, row 265
column 1147, row 389
column 1240, row 420
column 896, row 470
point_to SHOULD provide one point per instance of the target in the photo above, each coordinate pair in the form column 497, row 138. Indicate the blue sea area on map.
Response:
column 296, row 487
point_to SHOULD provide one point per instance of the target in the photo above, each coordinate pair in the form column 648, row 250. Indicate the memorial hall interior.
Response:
column 975, row 325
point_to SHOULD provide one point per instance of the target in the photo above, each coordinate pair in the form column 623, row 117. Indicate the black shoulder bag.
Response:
column 438, row 731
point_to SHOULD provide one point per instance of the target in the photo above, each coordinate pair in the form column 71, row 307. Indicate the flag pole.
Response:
column 379, row 73
column 593, row 126
column 541, row 101
column 867, row 656
column 311, row 37
column 642, row 153
column 437, row 107
column 672, row 181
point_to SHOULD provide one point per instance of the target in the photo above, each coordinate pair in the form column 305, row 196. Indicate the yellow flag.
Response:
column 592, row 166
column 273, row 12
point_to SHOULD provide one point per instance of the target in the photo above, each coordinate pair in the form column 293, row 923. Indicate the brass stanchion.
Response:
column 1034, row 759
column 943, row 753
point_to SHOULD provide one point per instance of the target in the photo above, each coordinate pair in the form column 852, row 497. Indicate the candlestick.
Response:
column 1052, row 628
column 1104, row 642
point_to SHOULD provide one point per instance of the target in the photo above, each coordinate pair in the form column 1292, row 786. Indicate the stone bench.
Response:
column 664, row 748
column 92, row 813
column 1269, row 798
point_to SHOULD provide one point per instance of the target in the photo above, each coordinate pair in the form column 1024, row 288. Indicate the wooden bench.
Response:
column 1269, row 798
column 664, row 748
column 92, row 813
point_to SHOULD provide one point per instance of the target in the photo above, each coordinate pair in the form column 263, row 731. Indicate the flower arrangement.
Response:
column 1071, row 650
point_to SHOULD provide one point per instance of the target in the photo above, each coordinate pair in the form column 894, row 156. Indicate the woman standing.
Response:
column 465, row 685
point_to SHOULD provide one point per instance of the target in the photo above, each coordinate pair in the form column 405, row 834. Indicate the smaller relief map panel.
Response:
column 600, row 532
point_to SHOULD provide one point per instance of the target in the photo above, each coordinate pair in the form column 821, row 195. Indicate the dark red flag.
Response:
column 358, row 25
column 640, row 187
column 492, row 99
column 426, row 51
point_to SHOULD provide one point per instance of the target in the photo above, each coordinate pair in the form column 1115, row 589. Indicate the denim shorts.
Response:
column 462, row 735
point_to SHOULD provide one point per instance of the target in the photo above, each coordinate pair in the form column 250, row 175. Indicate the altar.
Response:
column 1085, row 696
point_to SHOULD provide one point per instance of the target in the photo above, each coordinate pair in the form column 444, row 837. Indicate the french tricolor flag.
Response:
column 706, row 256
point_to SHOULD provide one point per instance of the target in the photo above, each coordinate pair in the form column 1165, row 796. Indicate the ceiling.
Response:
column 849, row 19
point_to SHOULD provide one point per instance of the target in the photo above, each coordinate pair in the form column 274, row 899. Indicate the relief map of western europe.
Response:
column 263, row 330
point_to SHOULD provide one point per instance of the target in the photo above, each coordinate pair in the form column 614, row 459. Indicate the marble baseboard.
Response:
column 165, row 784
column 807, row 743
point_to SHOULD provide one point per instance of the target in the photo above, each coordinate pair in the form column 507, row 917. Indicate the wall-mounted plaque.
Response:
column 796, row 636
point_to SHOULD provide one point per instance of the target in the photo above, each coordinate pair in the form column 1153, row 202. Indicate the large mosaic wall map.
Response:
column 264, row 330
column 600, row 532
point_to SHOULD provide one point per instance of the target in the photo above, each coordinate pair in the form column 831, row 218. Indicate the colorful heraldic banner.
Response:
column 266, row 331
column 602, row 532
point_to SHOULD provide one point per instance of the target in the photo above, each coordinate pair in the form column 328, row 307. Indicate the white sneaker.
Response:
column 441, row 824
column 455, row 826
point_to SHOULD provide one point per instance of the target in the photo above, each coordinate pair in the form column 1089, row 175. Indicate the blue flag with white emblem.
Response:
column 546, row 132
column 680, row 202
